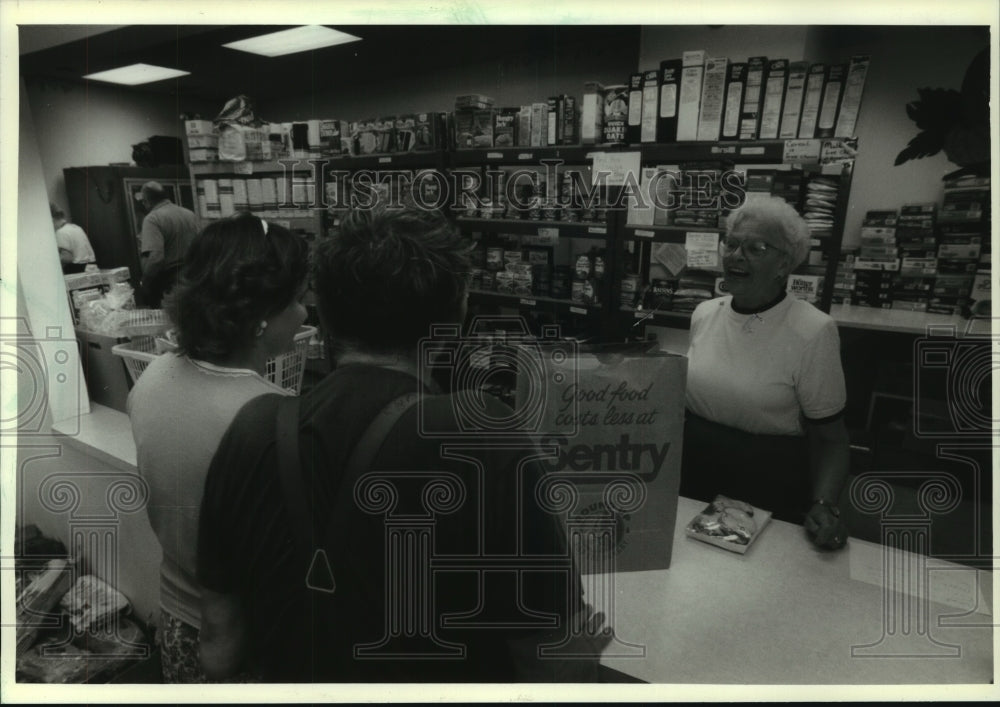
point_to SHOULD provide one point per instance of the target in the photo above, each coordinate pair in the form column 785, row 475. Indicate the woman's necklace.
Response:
column 755, row 312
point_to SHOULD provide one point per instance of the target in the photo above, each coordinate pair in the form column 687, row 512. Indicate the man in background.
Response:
column 167, row 231
column 75, row 252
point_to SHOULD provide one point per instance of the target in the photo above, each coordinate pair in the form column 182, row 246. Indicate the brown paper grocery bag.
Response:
column 611, row 428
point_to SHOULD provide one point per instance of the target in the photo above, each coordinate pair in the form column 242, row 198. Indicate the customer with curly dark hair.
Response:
column 299, row 581
column 235, row 305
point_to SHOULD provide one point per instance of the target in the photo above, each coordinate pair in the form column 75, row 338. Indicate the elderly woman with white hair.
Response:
column 765, row 390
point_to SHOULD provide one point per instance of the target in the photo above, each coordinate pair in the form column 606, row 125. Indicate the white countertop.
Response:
column 902, row 321
column 785, row 613
column 103, row 433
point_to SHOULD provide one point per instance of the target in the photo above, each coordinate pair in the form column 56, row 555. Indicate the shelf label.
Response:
column 801, row 151
column 528, row 302
column 618, row 168
column 243, row 168
column 385, row 160
column 597, row 229
column 578, row 310
column 526, row 156
column 644, row 234
column 724, row 150
column 756, row 150
column 494, row 155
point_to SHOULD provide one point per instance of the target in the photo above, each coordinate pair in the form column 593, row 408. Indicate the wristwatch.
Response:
column 823, row 502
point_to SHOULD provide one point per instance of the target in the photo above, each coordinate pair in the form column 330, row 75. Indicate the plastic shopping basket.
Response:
column 285, row 370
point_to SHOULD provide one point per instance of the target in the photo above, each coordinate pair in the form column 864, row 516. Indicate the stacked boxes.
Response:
column 843, row 285
column 202, row 141
column 918, row 264
column 963, row 231
column 473, row 122
column 877, row 264
column 698, row 196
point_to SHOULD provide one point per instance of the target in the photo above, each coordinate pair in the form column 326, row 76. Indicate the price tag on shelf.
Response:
column 597, row 229
column 578, row 310
column 801, row 151
column 385, row 160
column 755, row 150
column 494, row 155
column 243, row 167
column 640, row 233
column 724, row 149
column 526, row 156
column 528, row 302
column 617, row 167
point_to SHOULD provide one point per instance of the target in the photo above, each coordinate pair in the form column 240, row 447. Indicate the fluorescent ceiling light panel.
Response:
column 291, row 41
column 136, row 74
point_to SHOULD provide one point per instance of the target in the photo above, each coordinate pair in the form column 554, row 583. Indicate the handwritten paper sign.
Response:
column 799, row 151
column 702, row 249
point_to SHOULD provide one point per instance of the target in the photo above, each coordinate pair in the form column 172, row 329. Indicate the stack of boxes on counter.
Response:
column 964, row 250
column 923, row 258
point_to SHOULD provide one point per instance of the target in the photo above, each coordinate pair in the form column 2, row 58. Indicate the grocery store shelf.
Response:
column 664, row 234
column 524, row 155
column 533, row 301
column 568, row 229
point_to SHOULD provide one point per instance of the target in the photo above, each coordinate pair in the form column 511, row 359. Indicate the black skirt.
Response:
column 767, row 471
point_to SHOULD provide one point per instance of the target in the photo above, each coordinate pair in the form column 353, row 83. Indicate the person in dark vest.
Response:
column 167, row 232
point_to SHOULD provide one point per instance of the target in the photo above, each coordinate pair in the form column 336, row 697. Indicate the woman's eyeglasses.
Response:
column 751, row 247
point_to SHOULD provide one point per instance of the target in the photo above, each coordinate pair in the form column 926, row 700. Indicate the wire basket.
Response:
column 285, row 370
column 145, row 322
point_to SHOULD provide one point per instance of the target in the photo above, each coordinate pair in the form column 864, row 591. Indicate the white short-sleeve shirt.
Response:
column 763, row 373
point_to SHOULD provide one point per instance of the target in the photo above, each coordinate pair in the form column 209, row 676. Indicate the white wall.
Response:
column 82, row 125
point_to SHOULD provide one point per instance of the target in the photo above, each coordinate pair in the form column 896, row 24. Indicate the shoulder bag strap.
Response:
column 363, row 454
column 368, row 446
column 289, row 469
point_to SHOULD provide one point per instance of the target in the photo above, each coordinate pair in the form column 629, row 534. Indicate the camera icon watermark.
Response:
column 953, row 379
column 501, row 358
column 34, row 369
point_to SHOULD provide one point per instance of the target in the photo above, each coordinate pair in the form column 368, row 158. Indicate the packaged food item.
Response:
column 598, row 264
column 511, row 256
column 615, row 114
column 522, row 283
column 561, row 277
column 630, row 290
column 582, row 266
column 494, row 259
column 505, row 282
